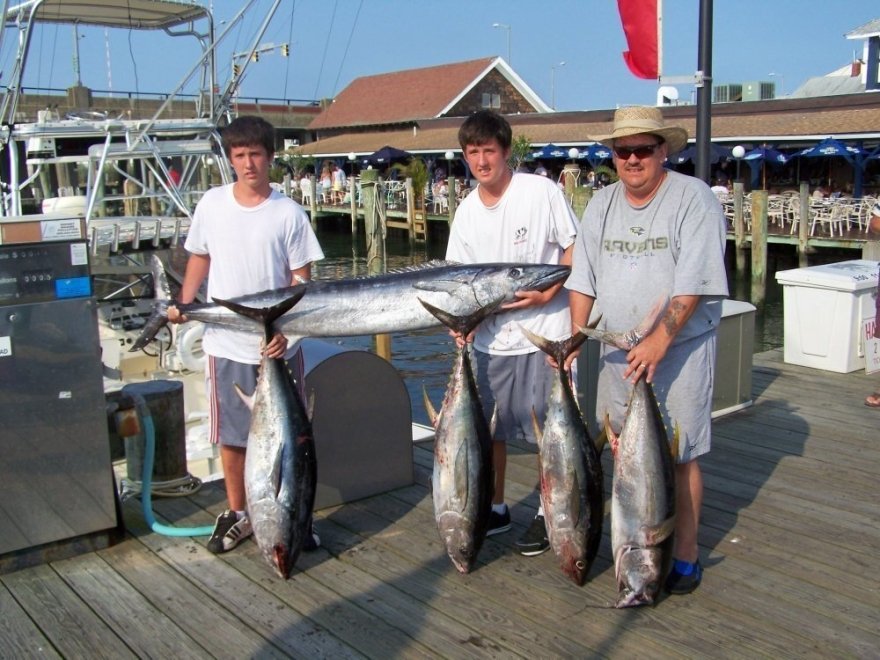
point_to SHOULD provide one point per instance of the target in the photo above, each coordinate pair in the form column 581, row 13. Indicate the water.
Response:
column 424, row 358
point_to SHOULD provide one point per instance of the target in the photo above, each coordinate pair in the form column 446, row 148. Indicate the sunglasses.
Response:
column 641, row 151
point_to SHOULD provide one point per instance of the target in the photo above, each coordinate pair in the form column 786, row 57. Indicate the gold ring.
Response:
column 643, row 365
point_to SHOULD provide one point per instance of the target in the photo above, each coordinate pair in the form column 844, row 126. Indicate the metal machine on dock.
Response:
column 57, row 496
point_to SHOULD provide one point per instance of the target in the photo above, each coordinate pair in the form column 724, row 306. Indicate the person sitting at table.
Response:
column 821, row 192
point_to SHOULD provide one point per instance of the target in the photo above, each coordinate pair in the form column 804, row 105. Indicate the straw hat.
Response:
column 635, row 120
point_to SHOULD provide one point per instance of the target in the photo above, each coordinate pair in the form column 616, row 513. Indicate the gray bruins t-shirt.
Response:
column 629, row 257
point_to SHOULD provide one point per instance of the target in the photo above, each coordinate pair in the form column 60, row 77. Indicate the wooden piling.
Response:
column 452, row 197
column 352, row 187
column 759, row 247
column 314, row 202
column 803, row 223
column 371, row 185
column 739, row 228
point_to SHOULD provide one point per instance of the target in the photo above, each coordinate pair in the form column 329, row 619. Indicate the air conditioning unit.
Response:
column 758, row 91
column 727, row 93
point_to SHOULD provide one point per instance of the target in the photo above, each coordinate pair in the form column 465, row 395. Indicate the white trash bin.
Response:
column 823, row 311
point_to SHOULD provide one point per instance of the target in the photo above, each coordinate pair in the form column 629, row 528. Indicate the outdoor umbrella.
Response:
column 829, row 147
column 761, row 156
column 387, row 155
column 550, row 151
column 716, row 153
column 595, row 153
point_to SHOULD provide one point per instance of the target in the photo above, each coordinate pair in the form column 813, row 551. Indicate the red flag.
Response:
column 639, row 18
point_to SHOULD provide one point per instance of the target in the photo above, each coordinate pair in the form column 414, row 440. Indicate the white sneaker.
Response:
column 229, row 531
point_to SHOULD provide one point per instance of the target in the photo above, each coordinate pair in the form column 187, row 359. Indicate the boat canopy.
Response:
column 130, row 14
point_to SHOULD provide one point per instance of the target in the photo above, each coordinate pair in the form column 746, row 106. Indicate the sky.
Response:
column 568, row 52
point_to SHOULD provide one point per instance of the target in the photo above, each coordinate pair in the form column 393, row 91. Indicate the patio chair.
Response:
column 826, row 214
column 306, row 192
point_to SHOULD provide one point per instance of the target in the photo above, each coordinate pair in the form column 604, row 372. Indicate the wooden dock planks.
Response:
column 790, row 518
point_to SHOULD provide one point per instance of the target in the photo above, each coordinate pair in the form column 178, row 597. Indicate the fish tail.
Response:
column 629, row 339
column 463, row 324
column 558, row 350
column 158, row 320
column 265, row 316
column 159, row 316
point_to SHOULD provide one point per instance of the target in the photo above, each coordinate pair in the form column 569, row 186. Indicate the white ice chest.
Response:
column 823, row 311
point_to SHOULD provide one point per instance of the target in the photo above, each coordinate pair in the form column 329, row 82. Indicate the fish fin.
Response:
column 656, row 534
column 611, row 436
column 248, row 399
column 433, row 417
column 439, row 286
column 539, row 435
column 673, row 446
column 601, row 440
column 466, row 323
column 493, row 422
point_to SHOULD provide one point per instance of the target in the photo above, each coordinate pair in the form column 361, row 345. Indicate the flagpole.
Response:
column 704, row 91
column 659, row 39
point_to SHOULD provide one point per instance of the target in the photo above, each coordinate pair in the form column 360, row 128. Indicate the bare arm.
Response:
column 652, row 349
column 197, row 267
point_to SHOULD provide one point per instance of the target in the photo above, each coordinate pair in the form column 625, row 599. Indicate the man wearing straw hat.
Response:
column 656, row 234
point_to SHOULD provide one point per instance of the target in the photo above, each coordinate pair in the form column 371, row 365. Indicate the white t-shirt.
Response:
column 531, row 223
column 252, row 249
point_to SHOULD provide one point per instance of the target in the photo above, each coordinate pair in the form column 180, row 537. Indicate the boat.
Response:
column 132, row 181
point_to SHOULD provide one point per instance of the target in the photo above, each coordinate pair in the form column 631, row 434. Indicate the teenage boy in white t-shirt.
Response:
column 512, row 217
column 245, row 237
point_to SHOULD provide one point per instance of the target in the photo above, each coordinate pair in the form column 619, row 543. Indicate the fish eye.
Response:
column 515, row 273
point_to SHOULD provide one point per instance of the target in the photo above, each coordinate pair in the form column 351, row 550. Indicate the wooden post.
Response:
column 582, row 196
column 410, row 210
column 370, row 190
column 759, row 247
column 570, row 174
column 451, row 196
column 352, row 186
column 739, row 228
column 314, row 202
column 804, row 224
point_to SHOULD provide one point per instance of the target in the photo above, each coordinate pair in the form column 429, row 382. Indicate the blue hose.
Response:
column 147, row 478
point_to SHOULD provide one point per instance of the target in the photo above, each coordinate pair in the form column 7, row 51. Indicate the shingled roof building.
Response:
column 405, row 98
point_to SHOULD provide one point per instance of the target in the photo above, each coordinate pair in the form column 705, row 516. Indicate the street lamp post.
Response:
column 449, row 156
column 508, row 28
column 738, row 152
column 553, row 83
column 781, row 82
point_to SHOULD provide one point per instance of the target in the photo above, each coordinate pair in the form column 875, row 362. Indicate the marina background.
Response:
column 332, row 43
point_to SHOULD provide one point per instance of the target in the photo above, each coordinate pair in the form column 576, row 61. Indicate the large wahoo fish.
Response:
column 280, row 468
column 463, row 478
column 368, row 305
column 571, row 470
